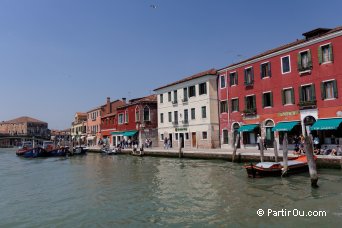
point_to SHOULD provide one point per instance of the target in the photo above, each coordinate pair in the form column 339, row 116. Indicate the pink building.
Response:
column 94, row 126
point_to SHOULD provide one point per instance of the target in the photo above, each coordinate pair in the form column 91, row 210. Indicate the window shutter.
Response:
column 283, row 96
column 252, row 75
column 331, row 53
column 313, row 92
column 261, row 71
column 269, row 69
column 230, row 80
column 310, row 59
column 292, row 96
column 320, row 58
column 254, row 102
column 300, row 94
column 237, row 78
column 263, row 100
column 335, row 89
column 323, row 95
column 271, row 98
column 245, row 103
column 245, row 76
column 237, row 101
column 299, row 62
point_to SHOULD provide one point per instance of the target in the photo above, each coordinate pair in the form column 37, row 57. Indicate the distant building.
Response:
column 79, row 128
column 94, row 126
column 24, row 126
column 61, row 136
column 188, row 111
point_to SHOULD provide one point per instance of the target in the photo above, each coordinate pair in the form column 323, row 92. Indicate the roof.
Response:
column 148, row 99
column 287, row 45
column 24, row 119
column 198, row 75
column 94, row 109
column 81, row 113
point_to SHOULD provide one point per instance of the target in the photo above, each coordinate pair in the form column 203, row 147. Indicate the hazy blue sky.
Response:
column 62, row 56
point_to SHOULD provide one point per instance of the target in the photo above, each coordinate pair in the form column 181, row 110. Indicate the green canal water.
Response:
column 126, row 191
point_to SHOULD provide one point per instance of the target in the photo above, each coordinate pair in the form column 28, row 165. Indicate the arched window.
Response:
column 146, row 113
column 137, row 114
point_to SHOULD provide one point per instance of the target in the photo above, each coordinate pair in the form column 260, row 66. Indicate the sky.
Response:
column 58, row 57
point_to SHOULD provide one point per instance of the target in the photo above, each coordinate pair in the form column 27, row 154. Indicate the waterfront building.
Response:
column 61, row 137
column 108, row 119
column 137, row 121
column 293, row 88
column 79, row 128
column 188, row 111
column 94, row 126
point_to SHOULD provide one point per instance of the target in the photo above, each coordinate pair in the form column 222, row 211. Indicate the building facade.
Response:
column 137, row 121
column 188, row 113
column 79, row 128
column 292, row 89
column 94, row 126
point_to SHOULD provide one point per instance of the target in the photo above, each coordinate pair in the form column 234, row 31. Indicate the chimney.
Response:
column 108, row 105
column 124, row 100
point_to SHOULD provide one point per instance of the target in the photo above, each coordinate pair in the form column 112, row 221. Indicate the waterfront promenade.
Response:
column 242, row 155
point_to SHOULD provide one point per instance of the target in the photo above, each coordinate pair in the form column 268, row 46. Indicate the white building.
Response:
column 188, row 112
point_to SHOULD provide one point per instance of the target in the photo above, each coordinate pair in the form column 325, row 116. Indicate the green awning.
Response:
column 248, row 128
column 129, row 133
column 117, row 133
column 285, row 126
column 327, row 124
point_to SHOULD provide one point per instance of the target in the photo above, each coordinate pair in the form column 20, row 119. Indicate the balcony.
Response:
column 250, row 112
column 174, row 102
column 307, row 104
column 249, row 83
column 185, row 100
column 185, row 122
column 175, row 123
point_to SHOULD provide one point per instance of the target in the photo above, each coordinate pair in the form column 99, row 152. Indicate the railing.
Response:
column 184, row 100
column 307, row 104
column 249, row 83
column 185, row 121
column 249, row 112
column 174, row 102
column 175, row 122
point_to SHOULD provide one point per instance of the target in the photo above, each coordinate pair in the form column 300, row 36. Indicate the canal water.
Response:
column 126, row 191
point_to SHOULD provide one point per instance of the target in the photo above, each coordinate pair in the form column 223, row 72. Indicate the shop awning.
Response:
column 327, row 124
column 117, row 133
column 248, row 128
column 285, row 126
column 129, row 133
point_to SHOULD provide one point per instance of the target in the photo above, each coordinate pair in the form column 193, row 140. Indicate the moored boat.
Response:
column 264, row 169
column 33, row 153
column 79, row 150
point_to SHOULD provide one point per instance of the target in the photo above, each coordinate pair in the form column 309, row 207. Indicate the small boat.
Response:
column 59, row 152
column 264, row 169
column 24, row 147
column 33, row 153
column 136, row 152
column 79, row 150
column 109, row 151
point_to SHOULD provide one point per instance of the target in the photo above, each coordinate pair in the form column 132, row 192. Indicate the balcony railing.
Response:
column 184, row 100
column 174, row 122
column 307, row 104
column 185, row 122
column 175, row 102
column 250, row 112
column 249, row 83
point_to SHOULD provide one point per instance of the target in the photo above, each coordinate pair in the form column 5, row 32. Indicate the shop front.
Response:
column 293, row 130
column 249, row 134
column 329, row 131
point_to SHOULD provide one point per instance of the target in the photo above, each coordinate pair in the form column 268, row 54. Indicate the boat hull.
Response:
column 253, row 171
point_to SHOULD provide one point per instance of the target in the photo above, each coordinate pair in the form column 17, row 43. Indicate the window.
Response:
column 235, row 105
column 185, row 94
column 288, row 96
column 169, row 96
column 146, row 113
column 233, row 78
column 161, row 137
column 161, row 117
column 175, row 99
column 204, row 112
column 203, row 88
column 329, row 90
column 307, row 93
column 250, row 105
column 176, row 117
column 186, row 116
column 225, row 136
column 204, row 135
column 137, row 114
column 265, row 70
column 285, row 64
column 193, row 114
column 222, row 81
column 192, row 91
column 161, row 98
column 249, row 76
column 121, row 118
column 126, row 116
column 186, row 136
column 325, row 53
column 223, row 106
column 170, row 117
column 304, row 61
column 267, row 99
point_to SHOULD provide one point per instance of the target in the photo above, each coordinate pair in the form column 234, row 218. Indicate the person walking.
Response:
column 258, row 141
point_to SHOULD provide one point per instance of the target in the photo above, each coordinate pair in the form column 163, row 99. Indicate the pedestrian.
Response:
column 258, row 141
column 169, row 143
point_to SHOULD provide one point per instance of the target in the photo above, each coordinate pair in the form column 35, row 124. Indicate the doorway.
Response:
column 181, row 139
column 269, row 133
column 193, row 138
column 170, row 137
column 236, row 126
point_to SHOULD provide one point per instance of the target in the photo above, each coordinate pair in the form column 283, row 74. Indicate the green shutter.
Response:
column 313, row 92
column 269, row 69
column 261, row 71
column 245, row 76
column 331, row 53
column 299, row 62
column 237, row 104
column 252, row 75
column 230, row 80
column 237, row 78
column 271, row 98
column 335, row 89
column 254, row 102
column 263, row 100
column 310, row 59
column 323, row 95
column 283, row 96
column 320, row 58
column 300, row 94
column 292, row 96
column 245, row 103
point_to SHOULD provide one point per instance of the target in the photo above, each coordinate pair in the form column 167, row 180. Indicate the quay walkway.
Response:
column 242, row 155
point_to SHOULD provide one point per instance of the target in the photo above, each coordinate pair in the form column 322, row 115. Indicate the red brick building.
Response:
column 293, row 88
column 137, row 120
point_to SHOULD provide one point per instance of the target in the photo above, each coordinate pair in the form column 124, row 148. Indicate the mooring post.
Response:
column 236, row 141
column 308, row 147
column 261, row 143
column 285, row 152
column 275, row 150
